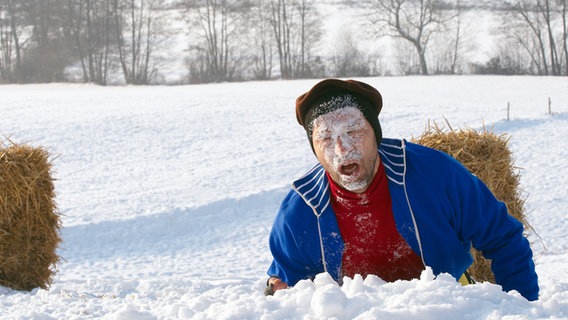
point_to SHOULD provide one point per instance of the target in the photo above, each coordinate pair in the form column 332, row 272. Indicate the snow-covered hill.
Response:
column 167, row 196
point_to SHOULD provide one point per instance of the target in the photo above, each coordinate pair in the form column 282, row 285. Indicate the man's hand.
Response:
column 274, row 284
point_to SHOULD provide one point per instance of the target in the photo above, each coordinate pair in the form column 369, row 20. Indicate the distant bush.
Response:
column 499, row 66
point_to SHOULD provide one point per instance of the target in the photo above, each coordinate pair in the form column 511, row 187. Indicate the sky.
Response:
column 167, row 195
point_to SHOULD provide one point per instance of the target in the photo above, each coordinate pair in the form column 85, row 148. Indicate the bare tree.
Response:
column 263, row 44
column 33, row 46
column 91, row 24
column 563, row 13
column 457, row 42
column 532, row 25
column 10, row 43
column 281, row 27
column 522, row 25
column 135, row 33
column 219, row 29
column 446, row 48
column 296, row 31
column 544, row 8
column 310, row 35
column 49, row 54
column 413, row 21
column 348, row 60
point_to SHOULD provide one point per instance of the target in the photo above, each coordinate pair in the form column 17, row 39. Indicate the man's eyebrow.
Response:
column 355, row 123
column 322, row 130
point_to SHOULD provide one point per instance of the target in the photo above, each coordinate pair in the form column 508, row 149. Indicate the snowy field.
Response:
column 167, row 195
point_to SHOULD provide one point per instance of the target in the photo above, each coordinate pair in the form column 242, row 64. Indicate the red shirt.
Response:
column 372, row 242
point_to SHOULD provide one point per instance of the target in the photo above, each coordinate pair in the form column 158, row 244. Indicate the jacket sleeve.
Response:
column 293, row 242
column 484, row 220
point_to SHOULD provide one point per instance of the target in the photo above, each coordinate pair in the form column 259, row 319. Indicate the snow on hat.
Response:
column 331, row 94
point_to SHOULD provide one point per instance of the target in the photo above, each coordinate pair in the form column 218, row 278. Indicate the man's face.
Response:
column 346, row 146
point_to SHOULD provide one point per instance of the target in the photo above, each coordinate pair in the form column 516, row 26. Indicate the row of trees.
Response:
column 539, row 29
column 236, row 40
column 129, row 41
column 533, row 34
column 39, row 39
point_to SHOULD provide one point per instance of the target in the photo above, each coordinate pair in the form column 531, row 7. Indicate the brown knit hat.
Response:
column 331, row 94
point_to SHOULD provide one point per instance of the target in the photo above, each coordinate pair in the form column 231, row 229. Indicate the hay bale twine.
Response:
column 29, row 220
column 488, row 157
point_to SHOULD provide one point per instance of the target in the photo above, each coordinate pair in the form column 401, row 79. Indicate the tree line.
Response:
column 123, row 41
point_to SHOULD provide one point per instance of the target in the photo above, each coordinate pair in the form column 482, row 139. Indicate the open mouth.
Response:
column 348, row 169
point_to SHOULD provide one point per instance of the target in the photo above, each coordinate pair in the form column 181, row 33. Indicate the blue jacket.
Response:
column 439, row 207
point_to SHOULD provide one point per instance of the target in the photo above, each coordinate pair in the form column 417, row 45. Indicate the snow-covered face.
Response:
column 345, row 145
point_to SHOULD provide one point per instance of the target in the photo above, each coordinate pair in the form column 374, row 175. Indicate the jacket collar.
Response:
column 313, row 186
column 393, row 156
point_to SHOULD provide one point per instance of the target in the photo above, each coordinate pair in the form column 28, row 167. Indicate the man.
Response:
column 384, row 206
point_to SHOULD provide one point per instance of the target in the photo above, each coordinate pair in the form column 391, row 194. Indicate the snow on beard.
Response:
column 339, row 135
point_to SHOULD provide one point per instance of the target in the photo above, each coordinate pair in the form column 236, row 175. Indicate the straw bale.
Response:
column 29, row 219
column 488, row 157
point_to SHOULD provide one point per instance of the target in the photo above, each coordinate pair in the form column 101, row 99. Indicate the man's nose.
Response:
column 342, row 145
